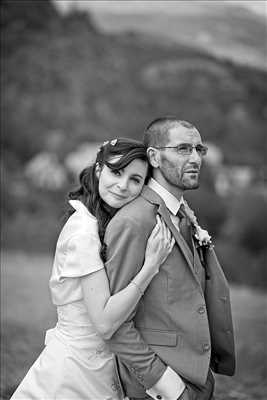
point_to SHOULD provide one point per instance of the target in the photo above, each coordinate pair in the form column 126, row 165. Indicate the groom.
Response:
column 182, row 327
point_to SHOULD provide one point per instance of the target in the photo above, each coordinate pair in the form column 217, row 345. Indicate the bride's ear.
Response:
column 153, row 157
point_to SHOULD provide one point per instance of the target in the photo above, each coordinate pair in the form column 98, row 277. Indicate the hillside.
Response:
column 61, row 75
column 64, row 84
column 226, row 31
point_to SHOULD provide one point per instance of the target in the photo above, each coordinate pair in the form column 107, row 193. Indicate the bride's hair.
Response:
column 88, row 193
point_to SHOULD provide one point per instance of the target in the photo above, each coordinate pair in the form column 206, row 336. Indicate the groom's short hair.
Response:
column 157, row 132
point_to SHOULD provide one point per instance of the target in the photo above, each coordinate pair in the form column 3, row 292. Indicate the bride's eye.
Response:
column 115, row 172
column 136, row 180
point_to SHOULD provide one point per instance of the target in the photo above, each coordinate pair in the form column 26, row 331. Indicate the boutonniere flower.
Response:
column 201, row 235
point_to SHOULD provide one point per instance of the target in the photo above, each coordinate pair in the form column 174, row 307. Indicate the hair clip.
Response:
column 112, row 143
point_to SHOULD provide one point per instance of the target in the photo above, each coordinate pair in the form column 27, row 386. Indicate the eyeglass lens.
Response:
column 187, row 148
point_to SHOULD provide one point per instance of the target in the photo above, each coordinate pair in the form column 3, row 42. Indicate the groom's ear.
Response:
column 153, row 157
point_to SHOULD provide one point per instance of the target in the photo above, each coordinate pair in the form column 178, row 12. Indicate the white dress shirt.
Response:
column 171, row 202
column 170, row 386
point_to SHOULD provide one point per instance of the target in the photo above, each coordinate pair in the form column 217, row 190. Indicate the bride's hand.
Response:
column 159, row 246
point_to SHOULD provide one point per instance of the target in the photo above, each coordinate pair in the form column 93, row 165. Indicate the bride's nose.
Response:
column 122, row 184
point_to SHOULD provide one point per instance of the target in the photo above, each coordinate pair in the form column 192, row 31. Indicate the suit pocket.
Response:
column 159, row 338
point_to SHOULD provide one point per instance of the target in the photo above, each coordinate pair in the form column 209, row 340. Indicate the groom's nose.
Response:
column 195, row 157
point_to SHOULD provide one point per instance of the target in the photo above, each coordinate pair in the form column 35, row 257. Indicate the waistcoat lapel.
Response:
column 154, row 198
column 199, row 269
column 163, row 211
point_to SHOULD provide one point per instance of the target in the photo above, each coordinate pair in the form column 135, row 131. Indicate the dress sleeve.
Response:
column 82, row 257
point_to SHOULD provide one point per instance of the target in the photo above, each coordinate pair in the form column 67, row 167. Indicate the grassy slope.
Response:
column 27, row 312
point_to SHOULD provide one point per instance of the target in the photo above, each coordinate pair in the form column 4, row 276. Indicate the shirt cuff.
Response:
column 169, row 387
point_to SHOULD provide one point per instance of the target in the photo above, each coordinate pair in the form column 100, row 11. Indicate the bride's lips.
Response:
column 118, row 196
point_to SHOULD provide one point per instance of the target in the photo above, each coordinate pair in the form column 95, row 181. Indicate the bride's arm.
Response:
column 108, row 312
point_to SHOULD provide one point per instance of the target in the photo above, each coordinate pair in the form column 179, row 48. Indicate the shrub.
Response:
column 241, row 266
column 209, row 209
column 247, row 225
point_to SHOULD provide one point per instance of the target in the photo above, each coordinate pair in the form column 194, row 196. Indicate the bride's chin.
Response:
column 115, row 204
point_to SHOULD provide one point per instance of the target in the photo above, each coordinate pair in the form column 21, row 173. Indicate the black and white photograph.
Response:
column 133, row 200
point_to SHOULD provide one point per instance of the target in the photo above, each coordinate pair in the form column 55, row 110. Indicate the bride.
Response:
column 76, row 363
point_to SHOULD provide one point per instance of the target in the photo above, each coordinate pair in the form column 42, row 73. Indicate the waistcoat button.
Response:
column 201, row 310
column 206, row 347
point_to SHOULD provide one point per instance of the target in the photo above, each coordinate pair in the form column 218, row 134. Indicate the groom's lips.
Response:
column 192, row 171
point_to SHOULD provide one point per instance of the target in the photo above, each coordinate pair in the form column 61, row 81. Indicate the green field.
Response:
column 26, row 312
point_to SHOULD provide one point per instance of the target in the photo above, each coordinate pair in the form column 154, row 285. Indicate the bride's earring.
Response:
column 97, row 170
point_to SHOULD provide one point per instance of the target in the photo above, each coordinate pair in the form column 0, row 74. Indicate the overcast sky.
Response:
column 258, row 6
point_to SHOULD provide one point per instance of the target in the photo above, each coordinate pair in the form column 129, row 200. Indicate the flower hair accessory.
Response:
column 202, row 236
column 111, row 142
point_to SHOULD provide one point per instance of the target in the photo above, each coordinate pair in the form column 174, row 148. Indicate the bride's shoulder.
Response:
column 80, row 224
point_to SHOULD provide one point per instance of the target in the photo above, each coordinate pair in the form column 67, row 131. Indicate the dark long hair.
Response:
column 88, row 192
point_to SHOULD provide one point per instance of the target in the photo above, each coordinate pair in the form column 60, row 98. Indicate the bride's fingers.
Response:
column 157, row 227
column 161, row 224
column 163, row 227
column 158, row 218
column 158, row 223
column 172, row 243
column 169, row 234
column 164, row 232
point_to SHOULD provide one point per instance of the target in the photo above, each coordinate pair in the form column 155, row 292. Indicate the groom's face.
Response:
column 177, row 169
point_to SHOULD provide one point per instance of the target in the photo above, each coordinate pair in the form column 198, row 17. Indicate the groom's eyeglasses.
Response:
column 185, row 149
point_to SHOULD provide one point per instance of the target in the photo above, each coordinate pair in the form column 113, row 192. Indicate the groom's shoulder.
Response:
column 138, row 210
column 138, row 217
column 137, row 206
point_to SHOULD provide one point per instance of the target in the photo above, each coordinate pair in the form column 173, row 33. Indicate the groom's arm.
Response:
column 126, row 241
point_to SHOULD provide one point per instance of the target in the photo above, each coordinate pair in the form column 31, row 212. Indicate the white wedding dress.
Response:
column 76, row 363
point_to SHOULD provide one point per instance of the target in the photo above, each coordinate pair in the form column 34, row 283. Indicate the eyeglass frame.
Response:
column 205, row 148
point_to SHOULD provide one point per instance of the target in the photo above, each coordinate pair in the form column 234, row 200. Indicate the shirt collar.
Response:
column 172, row 203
